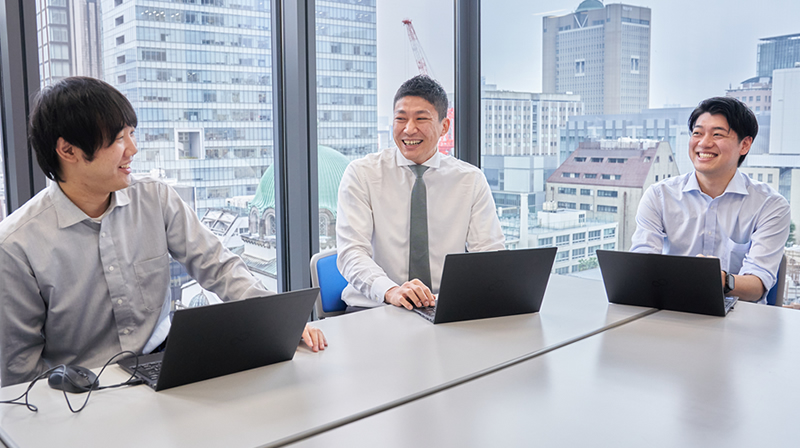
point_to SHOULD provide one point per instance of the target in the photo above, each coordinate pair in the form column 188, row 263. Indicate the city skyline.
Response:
column 511, row 43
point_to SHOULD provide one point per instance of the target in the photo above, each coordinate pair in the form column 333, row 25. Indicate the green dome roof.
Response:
column 587, row 5
column 330, row 166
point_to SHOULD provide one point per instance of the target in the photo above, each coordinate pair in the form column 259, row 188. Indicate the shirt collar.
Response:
column 68, row 214
column 433, row 162
column 737, row 185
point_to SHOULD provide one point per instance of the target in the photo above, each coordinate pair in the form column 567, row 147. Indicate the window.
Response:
column 594, row 235
column 579, row 237
column 580, row 67
column 635, row 64
column 586, row 192
column 656, row 177
column 120, row 40
column 760, row 177
column 586, row 207
column 596, row 159
column 546, row 242
column 617, row 160
column 578, row 253
column 567, row 205
column 580, row 159
column 606, row 209
column 565, row 190
column 609, row 233
column 561, row 256
column 120, row 59
column 611, row 176
column 562, row 240
column 610, row 246
column 769, row 178
column 590, row 176
column 117, row 2
column 593, row 250
column 607, row 193
column 121, row 79
column 562, row 271
column 119, row 20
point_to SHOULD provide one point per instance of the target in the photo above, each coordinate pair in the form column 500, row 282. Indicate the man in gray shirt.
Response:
column 84, row 265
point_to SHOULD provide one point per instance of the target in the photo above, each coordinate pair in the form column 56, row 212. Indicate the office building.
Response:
column 522, row 123
column 607, row 179
column 669, row 125
column 756, row 92
column 777, row 52
column 200, row 79
column 601, row 53
column 69, row 42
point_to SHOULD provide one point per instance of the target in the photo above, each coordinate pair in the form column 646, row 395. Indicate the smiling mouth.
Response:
column 412, row 142
column 126, row 166
column 706, row 155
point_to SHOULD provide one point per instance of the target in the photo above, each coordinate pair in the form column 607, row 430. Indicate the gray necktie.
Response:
column 419, row 265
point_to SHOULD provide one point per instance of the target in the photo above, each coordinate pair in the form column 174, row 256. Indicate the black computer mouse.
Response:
column 73, row 379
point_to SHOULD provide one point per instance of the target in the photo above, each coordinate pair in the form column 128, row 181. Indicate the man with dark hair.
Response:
column 85, row 263
column 716, row 210
column 403, row 209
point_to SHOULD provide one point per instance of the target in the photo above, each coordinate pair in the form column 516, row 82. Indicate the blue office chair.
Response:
column 775, row 295
column 326, row 276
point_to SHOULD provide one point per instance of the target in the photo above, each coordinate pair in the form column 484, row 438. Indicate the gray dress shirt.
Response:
column 77, row 292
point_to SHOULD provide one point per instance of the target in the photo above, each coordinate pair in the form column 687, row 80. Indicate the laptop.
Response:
column 228, row 337
column 666, row 282
column 479, row 285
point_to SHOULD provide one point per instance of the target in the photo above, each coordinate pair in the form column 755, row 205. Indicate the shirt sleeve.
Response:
column 354, row 227
column 767, row 243
column 22, row 317
column 206, row 259
column 484, row 233
column 649, row 235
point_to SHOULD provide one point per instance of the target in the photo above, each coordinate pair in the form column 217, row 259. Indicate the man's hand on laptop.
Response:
column 314, row 338
column 411, row 294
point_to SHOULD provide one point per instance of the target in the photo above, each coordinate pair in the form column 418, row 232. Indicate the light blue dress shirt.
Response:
column 746, row 227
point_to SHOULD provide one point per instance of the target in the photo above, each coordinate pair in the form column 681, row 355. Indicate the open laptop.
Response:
column 228, row 337
column 666, row 282
column 478, row 285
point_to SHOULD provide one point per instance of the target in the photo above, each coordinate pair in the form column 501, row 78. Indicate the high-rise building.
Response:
column 70, row 39
column 523, row 123
column 601, row 53
column 608, row 178
column 756, row 92
column 777, row 52
column 200, row 78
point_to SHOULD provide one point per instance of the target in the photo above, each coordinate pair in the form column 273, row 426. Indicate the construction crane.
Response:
column 419, row 54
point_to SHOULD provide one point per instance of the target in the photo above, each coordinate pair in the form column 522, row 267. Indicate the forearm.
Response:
column 748, row 288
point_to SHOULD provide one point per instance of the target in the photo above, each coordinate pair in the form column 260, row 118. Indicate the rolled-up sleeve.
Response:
column 768, row 242
column 649, row 235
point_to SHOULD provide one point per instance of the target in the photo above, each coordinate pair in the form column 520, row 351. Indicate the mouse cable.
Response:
column 129, row 382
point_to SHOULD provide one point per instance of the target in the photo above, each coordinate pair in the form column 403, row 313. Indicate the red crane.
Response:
column 419, row 54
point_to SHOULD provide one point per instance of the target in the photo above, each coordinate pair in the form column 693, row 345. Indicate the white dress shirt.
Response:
column 373, row 220
column 746, row 227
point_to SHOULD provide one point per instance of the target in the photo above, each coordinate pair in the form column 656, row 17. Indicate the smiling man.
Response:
column 716, row 210
column 84, row 265
column 403, row 209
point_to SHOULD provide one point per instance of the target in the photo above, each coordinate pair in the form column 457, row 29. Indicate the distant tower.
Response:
column 601, row 53
column 778, row 52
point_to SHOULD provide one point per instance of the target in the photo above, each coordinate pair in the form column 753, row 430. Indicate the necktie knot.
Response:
column 419, row 170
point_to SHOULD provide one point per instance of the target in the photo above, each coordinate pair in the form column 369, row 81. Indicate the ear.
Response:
column 445, row 126
column 747, row 142
column 67, row 153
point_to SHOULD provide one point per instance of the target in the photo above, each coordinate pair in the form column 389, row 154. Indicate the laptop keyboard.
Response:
column 428, row 312
column 150, row 370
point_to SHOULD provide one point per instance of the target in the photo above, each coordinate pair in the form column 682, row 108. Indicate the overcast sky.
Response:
column 698, row 47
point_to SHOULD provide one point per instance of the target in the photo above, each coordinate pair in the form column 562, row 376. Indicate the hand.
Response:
column 410, row 294
column 723, row 274
column 794, row 306
column 314, row 338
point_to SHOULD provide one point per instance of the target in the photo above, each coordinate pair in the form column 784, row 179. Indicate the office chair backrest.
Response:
column 775, row 295
column 326, row 276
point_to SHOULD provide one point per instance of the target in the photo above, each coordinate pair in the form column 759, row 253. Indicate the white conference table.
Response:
column 376, row 360
column 666, row 380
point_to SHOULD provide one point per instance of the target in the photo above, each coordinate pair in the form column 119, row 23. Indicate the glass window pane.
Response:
column 200, row 79
column 364, row 54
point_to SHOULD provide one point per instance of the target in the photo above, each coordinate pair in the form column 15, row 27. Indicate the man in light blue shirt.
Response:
column 716, row 210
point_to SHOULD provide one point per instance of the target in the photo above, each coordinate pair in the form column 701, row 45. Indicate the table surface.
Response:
column 666, row 380
column 376, row 359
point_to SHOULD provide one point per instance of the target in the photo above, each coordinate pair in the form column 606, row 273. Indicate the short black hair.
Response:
column 740, row 118
column 87, row 112
column 427, row 89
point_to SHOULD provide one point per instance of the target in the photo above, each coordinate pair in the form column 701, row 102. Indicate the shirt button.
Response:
column 119, row 301
column 103, row 234
column 111, row 268
column 126, row 331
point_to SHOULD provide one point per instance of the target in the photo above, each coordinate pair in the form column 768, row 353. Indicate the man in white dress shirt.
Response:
column 375, row 198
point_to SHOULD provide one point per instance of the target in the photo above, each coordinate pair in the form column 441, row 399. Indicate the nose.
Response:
column 131, row 145
column 707, row 139
column 411, row 127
